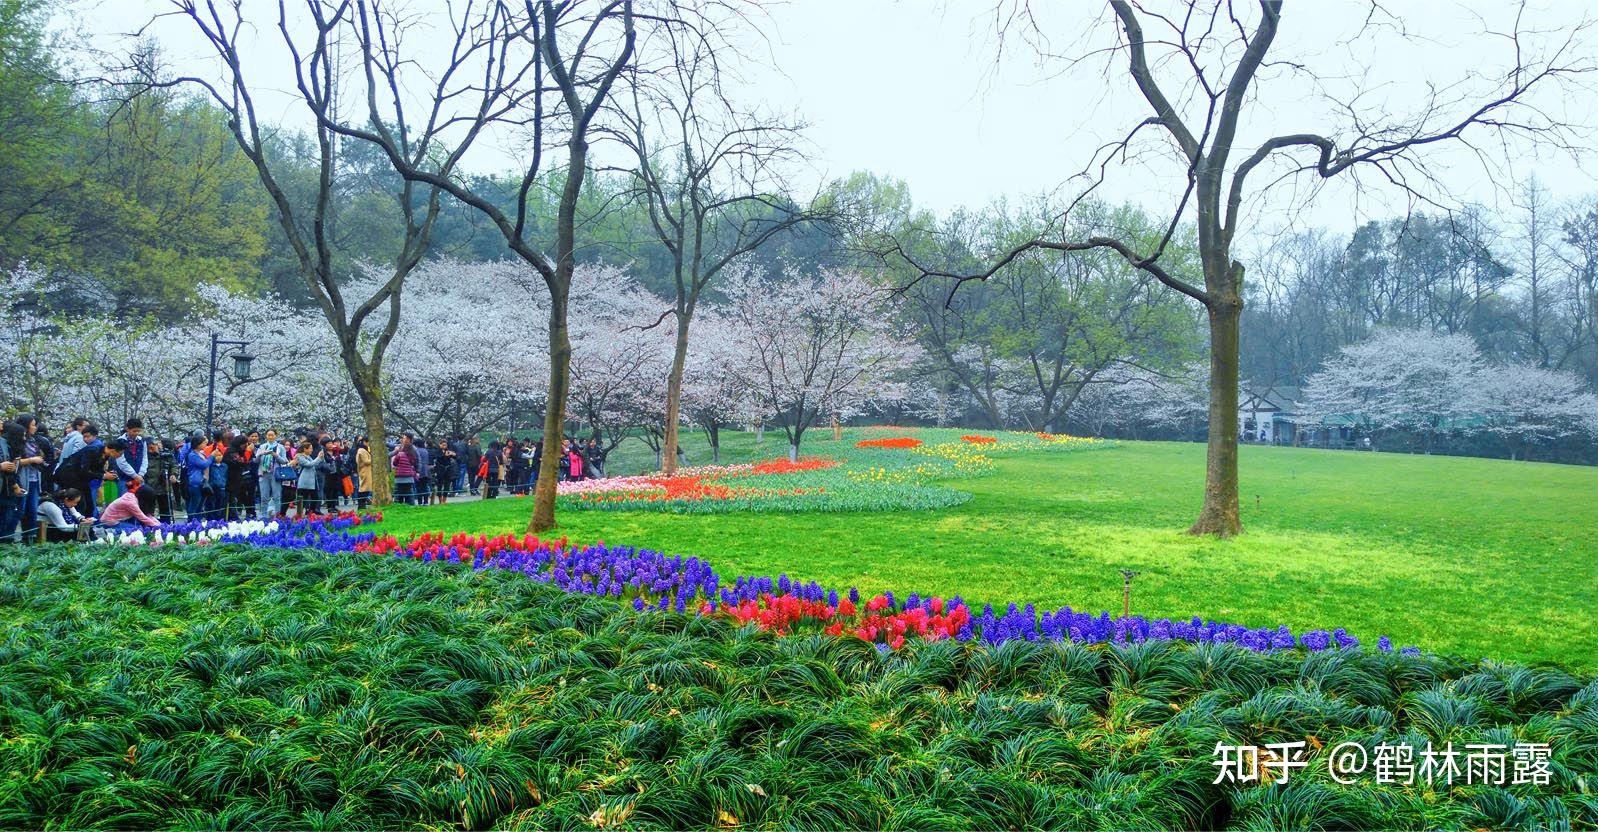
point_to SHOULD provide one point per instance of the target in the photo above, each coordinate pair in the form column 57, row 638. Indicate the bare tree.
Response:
column 1537, row 228
column 538, row 72
column 1212, row 58
column 309, row 230
column 707, row 169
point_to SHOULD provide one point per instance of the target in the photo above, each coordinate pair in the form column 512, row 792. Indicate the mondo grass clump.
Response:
column 231, row 686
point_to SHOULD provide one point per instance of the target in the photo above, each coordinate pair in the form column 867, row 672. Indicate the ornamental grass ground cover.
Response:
column 1463, row 556
column 231, row 686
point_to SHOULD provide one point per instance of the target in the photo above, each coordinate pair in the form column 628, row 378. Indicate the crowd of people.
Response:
column 52, row 490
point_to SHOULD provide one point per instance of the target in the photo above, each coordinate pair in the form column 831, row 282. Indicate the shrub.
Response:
column 285, row 688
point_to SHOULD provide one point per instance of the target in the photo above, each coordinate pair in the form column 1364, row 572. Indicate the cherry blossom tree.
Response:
column 1129, row 397
column 818, row 346
column 714, row 393
column 468, row 339
column 1401, row 380
column 619, row 360
column 1530, row 406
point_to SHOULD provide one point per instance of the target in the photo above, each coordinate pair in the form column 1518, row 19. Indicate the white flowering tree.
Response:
column 619, row 361
column 470, row 332
column 1130, row 397
column 28, row 370
column 714, row 393
column 1401, row 380
column 817, row 346
column 1530, row 406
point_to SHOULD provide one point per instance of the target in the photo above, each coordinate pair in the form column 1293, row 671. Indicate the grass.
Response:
column 1468, row 556
column 228, row 687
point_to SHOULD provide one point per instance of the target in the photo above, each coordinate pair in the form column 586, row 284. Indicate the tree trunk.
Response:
column 679, row 358
column 715, row 444
column 793, row 452
column 1220, row 515
column 381, row 486
column 560, row 351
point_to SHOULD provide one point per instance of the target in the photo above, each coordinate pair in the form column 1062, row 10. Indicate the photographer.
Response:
column 85, row 469
column 161, row 478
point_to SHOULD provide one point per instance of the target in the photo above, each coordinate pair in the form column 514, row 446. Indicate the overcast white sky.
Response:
column 911, row 89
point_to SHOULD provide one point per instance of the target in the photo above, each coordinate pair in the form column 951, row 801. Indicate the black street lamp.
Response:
column 241, row 370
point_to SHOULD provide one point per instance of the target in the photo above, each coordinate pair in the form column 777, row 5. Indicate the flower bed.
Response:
column 650, row 580
column 784, row 466
column 875, row 475
column 896, row 442
column 777, row 485
column 260, row 532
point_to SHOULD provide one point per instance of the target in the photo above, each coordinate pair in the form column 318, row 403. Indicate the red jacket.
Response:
column 404, row 464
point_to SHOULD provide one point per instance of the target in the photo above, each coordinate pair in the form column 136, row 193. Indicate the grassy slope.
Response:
column 1478, row 557
column 223, row 687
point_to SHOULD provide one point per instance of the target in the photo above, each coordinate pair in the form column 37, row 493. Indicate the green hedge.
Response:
column 232, row 687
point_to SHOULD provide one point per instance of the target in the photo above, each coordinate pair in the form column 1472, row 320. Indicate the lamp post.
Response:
column 241, row 370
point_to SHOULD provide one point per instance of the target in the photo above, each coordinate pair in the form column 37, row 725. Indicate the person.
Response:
column 47, row 470
column 87, row 466
column 161, row 477
column 594, row 458
column 363, row 473
column 332, row 467
column 131, row 466
column 197, row 464
column 537, row 462
column 216, row 495
column 352, row 474
column 516, row 472
column 269, row 455
column 424, row 468
column 252, row 485
column 59, row 516
column 73, row 441
column 308, row 487
column 130, row 511
column 443, row 471
column 10, row 497
column 457, row 445
column 574, row 460
column 236, row 476
column 492, row 461
column 563, row 463
column 93, row 489
column 27, row 458
column 473, row 456
column 403, row 461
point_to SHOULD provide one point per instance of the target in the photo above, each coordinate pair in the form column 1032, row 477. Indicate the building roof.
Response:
column 1269, row 398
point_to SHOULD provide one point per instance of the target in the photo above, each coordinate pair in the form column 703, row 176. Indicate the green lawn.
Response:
column 1468, row 556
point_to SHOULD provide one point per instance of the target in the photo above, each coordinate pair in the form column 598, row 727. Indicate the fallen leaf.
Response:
column 755, row 788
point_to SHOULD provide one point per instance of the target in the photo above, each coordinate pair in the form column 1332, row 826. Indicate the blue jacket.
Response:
column 196, row 463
